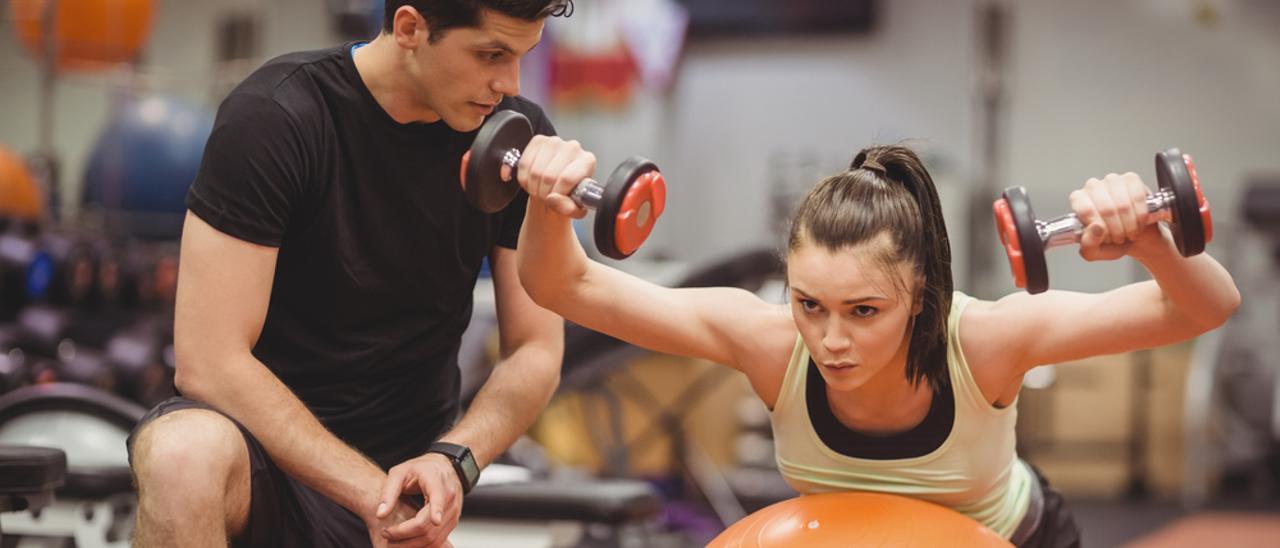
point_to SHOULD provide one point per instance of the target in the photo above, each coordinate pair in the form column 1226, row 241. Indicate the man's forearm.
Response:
column 506, row 406
column 296, row 441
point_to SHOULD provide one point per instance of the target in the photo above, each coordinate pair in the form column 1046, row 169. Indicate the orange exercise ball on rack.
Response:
column 856, row 519
column 20, row 196
column 88, row 34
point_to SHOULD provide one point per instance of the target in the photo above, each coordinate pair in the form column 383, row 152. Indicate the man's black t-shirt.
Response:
column 378, row 249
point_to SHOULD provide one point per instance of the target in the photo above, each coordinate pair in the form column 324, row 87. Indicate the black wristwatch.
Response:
column 463, row 463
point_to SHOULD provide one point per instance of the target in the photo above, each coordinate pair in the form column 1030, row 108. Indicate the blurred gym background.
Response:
column 105, row 106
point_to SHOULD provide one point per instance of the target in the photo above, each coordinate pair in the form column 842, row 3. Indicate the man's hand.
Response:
column 431, row 475
column 404, row 510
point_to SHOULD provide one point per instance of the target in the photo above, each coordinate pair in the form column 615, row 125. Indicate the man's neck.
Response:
column 380, row 65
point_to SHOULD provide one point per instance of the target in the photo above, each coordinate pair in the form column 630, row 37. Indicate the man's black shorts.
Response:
column 283, row 512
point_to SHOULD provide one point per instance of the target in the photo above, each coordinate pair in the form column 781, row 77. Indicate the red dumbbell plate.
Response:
column 1192, row 224
column 634, row 197
column 1016, row 224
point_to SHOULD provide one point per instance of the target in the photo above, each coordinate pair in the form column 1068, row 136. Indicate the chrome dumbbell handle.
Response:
column 1068, row 229
column 588, row 193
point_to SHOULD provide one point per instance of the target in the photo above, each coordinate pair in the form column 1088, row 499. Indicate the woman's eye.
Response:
column 808, row 306
column 865, row 311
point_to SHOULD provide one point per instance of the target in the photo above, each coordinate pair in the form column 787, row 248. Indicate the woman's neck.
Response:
column 888, row 402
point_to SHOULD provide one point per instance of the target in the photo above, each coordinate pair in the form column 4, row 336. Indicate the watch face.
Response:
column 469, row 468
column 463, row 462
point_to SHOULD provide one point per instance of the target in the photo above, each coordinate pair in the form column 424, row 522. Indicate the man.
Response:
column 328, row 263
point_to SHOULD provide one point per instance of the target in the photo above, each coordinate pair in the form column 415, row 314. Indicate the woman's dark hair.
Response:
column 442, row 15
column 888, row 191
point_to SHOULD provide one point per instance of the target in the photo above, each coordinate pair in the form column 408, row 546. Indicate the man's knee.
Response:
column 191, row 452
column 192, row 471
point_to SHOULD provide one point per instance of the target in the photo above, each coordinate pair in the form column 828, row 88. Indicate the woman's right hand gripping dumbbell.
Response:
column 557, row 173
column 549, row 170
column 1116, row 219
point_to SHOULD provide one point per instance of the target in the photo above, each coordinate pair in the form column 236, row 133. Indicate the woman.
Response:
column 878, row 375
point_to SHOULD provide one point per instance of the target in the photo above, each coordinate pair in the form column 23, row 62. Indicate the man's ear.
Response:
column 409, row 28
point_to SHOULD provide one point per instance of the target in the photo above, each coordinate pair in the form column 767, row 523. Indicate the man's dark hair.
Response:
column 442, row 15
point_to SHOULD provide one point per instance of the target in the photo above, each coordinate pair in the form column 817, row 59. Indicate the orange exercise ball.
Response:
column 20, row 196
column 856, row 519
column 88, row 33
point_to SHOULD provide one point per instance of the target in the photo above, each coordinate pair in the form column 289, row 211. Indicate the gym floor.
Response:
column 1166, row 525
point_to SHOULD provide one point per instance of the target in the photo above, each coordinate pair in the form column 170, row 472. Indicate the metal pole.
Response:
column 1139, row 418
column 44, row 161
column 993, row 32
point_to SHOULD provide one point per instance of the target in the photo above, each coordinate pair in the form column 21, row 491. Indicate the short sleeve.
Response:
column 253, row 172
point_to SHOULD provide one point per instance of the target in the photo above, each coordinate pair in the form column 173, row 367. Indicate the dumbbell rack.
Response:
column 78, row 307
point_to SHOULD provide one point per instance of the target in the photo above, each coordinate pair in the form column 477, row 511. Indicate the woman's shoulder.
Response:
column 766, row 350
column 975, row 323
column 985, row 345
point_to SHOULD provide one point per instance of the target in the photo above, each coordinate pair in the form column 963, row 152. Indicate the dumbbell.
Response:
column 88, row 367
column 138, row 355
column 135, row 274
column 51, row 266
column 1179, row 202
column 48, row 330
column 626, row 206
column 72, row 276
column 15, row 372
column 26, row 269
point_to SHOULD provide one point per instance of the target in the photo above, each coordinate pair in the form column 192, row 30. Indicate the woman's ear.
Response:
column 918, row 298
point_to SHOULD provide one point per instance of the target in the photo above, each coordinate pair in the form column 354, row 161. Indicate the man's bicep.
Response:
column 224, row 285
